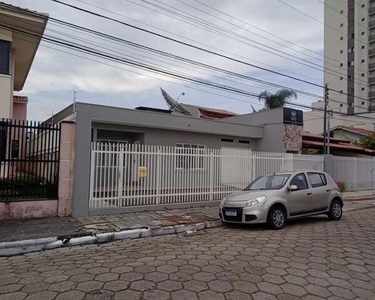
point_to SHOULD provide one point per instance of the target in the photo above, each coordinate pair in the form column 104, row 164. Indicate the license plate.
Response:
column 231, row 213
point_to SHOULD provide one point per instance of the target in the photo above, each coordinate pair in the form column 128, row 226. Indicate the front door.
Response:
column 300, row 201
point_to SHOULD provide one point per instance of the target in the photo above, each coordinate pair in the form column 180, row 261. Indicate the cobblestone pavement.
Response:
column 310, row 259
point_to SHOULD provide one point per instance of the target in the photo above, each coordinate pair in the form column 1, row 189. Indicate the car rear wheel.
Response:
column 276, row 218
column 335, row 211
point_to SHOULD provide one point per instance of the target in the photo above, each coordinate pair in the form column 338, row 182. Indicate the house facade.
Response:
column 17, row 55
column 277, row 130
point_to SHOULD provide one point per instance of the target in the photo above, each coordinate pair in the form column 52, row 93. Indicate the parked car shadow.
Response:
column 306, row 221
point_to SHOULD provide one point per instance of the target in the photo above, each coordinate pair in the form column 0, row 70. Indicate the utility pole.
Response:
column 329, row 130
column 326, row 91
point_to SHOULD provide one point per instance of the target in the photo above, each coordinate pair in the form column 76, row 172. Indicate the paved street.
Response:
column 312, row 259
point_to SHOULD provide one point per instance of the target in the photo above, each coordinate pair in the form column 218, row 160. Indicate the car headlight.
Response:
column 255, row 201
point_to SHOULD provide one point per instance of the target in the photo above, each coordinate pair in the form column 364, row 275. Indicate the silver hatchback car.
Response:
column 275, row 198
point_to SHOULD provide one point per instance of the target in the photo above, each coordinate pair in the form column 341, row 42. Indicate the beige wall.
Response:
column 6, row 96
column 19, row 110
column 6, row 83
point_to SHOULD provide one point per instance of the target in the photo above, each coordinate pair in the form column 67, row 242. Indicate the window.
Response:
column 350, row 105
column 363, row 102
column 363, row 33
column 244, row 142
column 363, row 74
column 269, row 182
column 349, row 77
column 351, row 36
column 341, row 25
column 341, row 51
column 363, row 88
column 351, row 63
column 362, row 61
column 341, row 64
column 341, row 38
column 4, row 57
column 189, row 156
column 362, row 5
column 341, row 91
column 227, row 140
column 341, row 11
column 300, row 181
column 351, row 49
column 363, row 19
column 363, row 47
column 341, row 105
column 317, row 179
column 341, row 78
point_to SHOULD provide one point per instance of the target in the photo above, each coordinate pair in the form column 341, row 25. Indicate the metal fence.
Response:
column 131, row 175
column 29, row 160
column 356, row 173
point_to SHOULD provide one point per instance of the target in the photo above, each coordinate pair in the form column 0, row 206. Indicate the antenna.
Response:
column 74, row 105
column 173, row 104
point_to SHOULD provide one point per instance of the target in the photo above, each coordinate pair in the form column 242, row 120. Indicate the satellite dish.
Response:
column 173, row 104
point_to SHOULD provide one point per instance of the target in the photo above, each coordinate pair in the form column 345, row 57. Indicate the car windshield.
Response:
column 269, row 182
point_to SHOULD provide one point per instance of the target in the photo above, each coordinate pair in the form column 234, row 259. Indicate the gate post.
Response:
column 211, row 170
column 66, row 168
column 158, row 176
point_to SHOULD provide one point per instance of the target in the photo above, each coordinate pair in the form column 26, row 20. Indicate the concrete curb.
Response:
column 28, row 246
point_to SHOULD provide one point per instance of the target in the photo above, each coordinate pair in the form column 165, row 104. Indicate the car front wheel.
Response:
column 276, row 218
column 335, row 211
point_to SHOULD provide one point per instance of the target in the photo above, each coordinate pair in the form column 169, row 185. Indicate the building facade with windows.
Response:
column 17, row 53
column 349, row 64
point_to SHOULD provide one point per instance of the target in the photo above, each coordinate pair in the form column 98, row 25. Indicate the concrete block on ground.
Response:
column 53, row 245
column 128, row 234
column 82, row 240
column 213, row 224
column 163, row 231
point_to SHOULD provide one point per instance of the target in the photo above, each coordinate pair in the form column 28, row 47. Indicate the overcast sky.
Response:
column 55, row 75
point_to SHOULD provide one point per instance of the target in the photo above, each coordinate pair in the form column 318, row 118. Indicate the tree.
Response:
column 279, row 99
column 367, row 142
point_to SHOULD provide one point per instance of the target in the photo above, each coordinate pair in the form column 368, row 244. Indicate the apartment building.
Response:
column 349, row 63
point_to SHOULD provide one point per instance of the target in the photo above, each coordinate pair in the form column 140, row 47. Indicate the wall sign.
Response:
column 293, row 116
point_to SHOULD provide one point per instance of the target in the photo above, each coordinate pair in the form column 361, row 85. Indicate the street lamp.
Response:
column 182, row 94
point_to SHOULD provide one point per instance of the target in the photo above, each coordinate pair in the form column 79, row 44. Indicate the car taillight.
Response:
column 337, row 183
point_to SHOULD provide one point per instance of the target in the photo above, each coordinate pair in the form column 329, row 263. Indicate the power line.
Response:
column 186, row 38
column 90, row 51
column 262, row 30
column 268, row 39
column 315, row 19
column 196, row 47
column 200, row 23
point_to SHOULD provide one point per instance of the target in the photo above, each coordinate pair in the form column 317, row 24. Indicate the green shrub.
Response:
column 342, row 186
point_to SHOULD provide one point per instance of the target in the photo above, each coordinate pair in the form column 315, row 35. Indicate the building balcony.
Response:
column 371, row 80
column 371, row 38
column 371, row 95
column 371, row 11
column 371, row 24
column 371, row 52
column 371, row 66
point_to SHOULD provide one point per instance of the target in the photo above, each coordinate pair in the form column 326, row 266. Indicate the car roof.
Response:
column 296, row 172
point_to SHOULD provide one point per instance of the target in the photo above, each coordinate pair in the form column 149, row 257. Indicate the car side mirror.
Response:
column 293, row 188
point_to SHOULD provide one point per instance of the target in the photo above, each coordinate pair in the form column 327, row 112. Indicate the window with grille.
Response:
column 4, row 57
column 190, row 156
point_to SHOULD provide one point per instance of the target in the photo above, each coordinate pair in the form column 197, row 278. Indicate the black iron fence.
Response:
column 29, row 160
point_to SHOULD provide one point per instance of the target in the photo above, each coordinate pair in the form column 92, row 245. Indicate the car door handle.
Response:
column 328, row 191
column 309, row 194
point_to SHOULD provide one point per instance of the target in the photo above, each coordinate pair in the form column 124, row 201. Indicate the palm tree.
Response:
column 279, row 99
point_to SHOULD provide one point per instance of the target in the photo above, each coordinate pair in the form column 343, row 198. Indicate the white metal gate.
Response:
column 132, row 175
column 356, row 172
